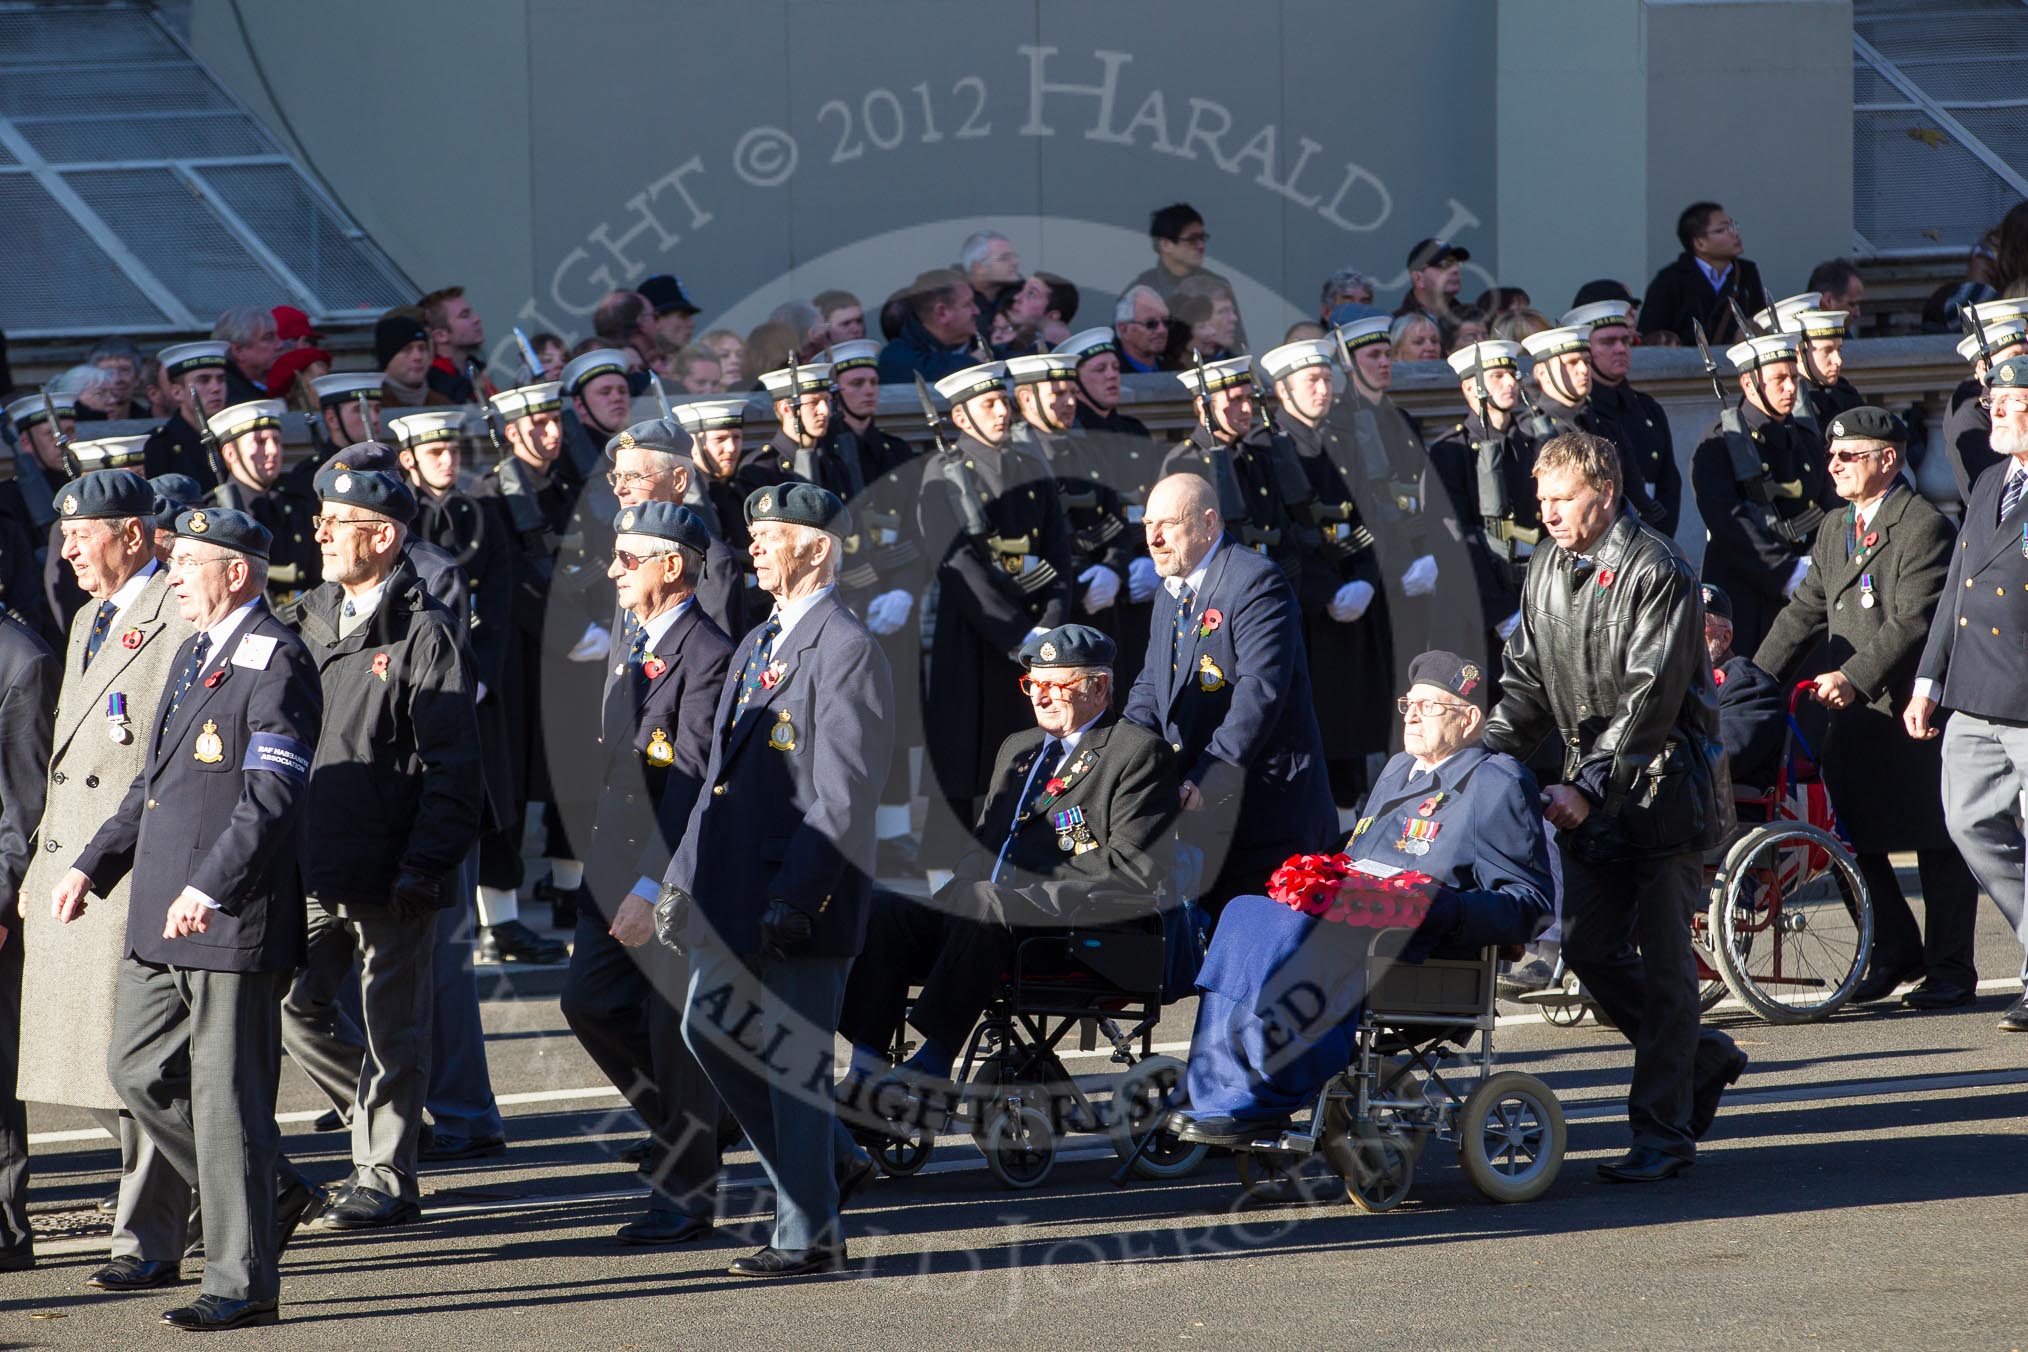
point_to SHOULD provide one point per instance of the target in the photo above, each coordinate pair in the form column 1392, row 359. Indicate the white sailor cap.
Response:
column 1993, row 311
column 1783, row 317
column 1289, row 358
column 421, row 429
column 1821, row 323
column 1218, row 375
column 1600, row 314
column 110, row 452
column 183, row 358
column 342, row 387
column 1998, row 338
column 24, row 413
column 1037, row 369
column 601, row 361
column 1083, row 346
column 972, row 382
column 1766, row 350
column 1493, row 354
column 808, row 378
column 525, row 401
column 853, row 352
column 711, row 415
column 251, row 416
column 1555, row 342
column 1361, row 332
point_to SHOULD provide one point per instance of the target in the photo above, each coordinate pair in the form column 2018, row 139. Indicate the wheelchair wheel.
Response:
column 1019, row 1145
column 902, row 1155
column 1139, row 1103
column 1567, row 1012
column 1791, row 923
column 1511, row 1137
column 982, row 1092
column 1282, row 1178
column 1379, row 1169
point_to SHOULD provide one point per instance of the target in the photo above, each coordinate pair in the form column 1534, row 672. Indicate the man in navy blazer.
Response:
column 1227, row 684
column 771, row 886
column 211, row 831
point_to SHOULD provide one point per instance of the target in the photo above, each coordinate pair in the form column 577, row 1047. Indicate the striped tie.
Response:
column 102, row 624
column 1184, row 596
column 2017, row 480
column 756, row 664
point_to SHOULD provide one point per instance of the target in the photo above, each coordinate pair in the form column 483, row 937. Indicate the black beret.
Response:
column 656, row 434
column 372, row 490
column 1068, row 645
column 104, row 494
column 367, row 455
column 1450, row 672
column 173, row 492
column 665, row 292
column 1869, row 424
column 800, row 504
column 670, row 521
column 1604, row 288
column 2011, row 374
column 226, row 527
column 1716, row 602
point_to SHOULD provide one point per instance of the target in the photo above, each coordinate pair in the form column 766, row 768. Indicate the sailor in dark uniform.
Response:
column 1263, row 493
column 28, row 513
column 1647, row 448
column 1485, row 464
column 1102, row 542
column 1820, row 353
column 1562, row 375
column 1967, row 429
column 194, row 375
column 729, row 472
column 249, row 440
column 598, row 399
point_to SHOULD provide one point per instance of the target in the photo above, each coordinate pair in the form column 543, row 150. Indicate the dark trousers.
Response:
column 955, row 947
column 460, row 1097
column 624, row 1006
column 15, row 1236
column 1626, row 933
column 1950, row 902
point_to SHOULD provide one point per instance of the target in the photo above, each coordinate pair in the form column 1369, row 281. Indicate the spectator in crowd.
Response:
column 457, row 340
column 552, row 352
column 1141, row 320
column 844, row 317
column 1500, row 300
column 1415, row 337
column 401, row 348
column 90, row 390
column 1303, row 330
column 155, row 395
column 675, row 321
column 806, row 321
column 1435, row 276
column 1346, row 286
column 1177, row 234
column 731, row 350
column 697, row 370
column 937, row 333
column 626, row 321
column 1205, row 319
column 1059, row 312
column 1469, row 325
column 767, row 349
column 1701, row 284
column 2010, row 265
column 121, row 361
column 1514, row 325
column 991, row 266
column 1021, row 310
column 292, row 373
column 248, row 333
column 293, row 329
column 1940, row 313
column 1839, row 287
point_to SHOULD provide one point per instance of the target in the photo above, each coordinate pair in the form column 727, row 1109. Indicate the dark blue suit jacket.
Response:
column 230, row 825
column 1978, row 638
column 794, row 776
column 1237, row 706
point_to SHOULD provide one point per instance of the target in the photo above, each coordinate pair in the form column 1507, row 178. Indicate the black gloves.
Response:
column 415, row 895
column 672, row 913
column 783, row 928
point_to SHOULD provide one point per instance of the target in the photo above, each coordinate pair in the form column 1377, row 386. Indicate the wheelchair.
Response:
column 1015, row 1096
column 1788, row 923
column 1415, row 1074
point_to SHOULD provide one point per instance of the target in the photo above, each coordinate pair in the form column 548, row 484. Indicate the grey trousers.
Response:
column 379, row 1076
column 1985, row 769
column 763, row 1031
column 196, row 1057
column 461, row 1086
column 153, row 1219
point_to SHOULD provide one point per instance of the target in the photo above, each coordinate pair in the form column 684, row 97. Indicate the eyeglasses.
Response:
column 1161, row 323
column 1848, row 457
column 1425, row 708
column 2003, row 404
column 1056, row 689
column 620, row 478
column 334, row 522
column 632, row 561
column 1195, row 237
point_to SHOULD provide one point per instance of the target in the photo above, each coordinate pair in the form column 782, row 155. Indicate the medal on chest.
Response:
column 659, row 751
column 208, row 749
column 116, row 719
column 1866, row 600
column 1417, row 833
column 1071, row 832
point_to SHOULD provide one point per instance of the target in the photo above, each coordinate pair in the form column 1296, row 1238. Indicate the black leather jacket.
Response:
column 1610, row 657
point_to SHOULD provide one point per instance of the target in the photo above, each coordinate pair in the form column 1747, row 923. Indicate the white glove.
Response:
column 1350, row 602
column 1142, row 579
column 593, row 647
column 478, row 692
column 1421, row 577
column 1505, row 628
column 1101, row 587
column 1802, row 570
column 888, row 611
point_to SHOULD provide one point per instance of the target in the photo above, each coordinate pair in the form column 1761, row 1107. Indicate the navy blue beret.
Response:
column 1069, row 645
column 367, row 455
column 105, row 493
column 656, row 434
column 1716, row 602
column 800, row 504
column 173, row 492
column 226, row 527
column 670, row 521
column 1450, row 672
column 372, row 490
column 1868, row 423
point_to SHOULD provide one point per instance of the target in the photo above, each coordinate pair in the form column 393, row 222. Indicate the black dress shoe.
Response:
column 366, row 1208
column 1704, row 1100
column 665, row 1227
column 329, row 1120
column 637, row 1152
column 17, row 1260
column 2015, row 1020
column 297, row 1200
column 208, row 1314
column 773, row 1262
column 1882, row 977
column 855, row 1176
column 562, row 904
column 896, row 857
column 1643, row 1164
column 1927, row 996
column 1221, row 1129
column 128, row 1273
column 512, row 941
column 443, row 1147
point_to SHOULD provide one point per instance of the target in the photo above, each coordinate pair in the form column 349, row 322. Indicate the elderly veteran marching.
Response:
column 1876, row 571
column 1971, row 666
column 116, row 668
column 211, row 831
column 622, row 996
column 396, row 797
column 800, row 744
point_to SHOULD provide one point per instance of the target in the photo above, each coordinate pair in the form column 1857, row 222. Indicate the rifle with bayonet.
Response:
column 320, row 441
column 1748, row 470
column 1969, row 318
column 1030, row 572
column 1224, row 474
column 661, row 398
column 67, row 457
column 529, row 360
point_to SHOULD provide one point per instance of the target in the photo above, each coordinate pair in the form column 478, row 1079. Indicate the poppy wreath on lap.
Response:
column 1330, row 887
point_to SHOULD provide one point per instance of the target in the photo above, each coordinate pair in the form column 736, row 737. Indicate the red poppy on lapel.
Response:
column 213, row 681
column 1717, row 676
column 1872, row 539
column 1213, row 618
column 131, row 639
column 653, row 668
column 1605, row 577
column 380, row 665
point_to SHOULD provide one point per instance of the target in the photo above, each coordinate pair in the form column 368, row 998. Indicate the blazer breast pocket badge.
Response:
column 782, row 736
column 1209, row 677
column 209, row 749
column 659, row 751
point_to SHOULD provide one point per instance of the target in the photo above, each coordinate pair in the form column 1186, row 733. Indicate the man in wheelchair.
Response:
column 1075, row 830
column 1279, row 994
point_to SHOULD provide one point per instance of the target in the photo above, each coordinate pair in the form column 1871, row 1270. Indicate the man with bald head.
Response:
column 1226, row 683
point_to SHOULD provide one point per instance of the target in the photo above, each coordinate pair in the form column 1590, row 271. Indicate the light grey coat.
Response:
column 67, row 984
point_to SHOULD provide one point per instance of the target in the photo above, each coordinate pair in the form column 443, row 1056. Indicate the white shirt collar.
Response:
column 1071, row 739
column 366, row 602
column 662, row 623
column 1195, row 581
column 221, row 633
column 787, row 613
column 131, row 588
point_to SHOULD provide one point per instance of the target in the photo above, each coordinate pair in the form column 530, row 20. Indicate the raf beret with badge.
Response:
column 1867, row 423
column 1716, row 602
column 370, row 490
column 800, row 504
column 1451, row 672
column 670, row 521
column 105, row 494
column 656, row 434
column 2009, row 375
column 1068, row 645
column 226, row 527
column 171, row 493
